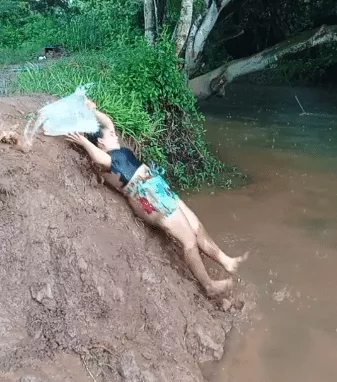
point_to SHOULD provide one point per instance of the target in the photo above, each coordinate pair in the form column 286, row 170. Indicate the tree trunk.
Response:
column 199, row 33
column 215, row 81
column 184, row 24
column 150, row 21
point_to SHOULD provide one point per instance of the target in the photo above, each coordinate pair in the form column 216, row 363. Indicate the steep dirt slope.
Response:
column 87, row 292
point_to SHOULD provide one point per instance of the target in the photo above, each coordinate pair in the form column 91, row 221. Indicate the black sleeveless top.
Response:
column 125, row 163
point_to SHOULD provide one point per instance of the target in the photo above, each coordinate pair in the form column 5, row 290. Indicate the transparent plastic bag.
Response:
column 68, row 115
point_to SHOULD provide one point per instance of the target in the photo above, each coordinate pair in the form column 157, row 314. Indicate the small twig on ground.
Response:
column 109, row 366
column 139, row 222
column 99, row 346
column 18, row 110
column 88, row 370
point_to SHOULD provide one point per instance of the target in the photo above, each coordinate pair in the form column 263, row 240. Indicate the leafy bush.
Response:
column 100, row 24
column 23, row 33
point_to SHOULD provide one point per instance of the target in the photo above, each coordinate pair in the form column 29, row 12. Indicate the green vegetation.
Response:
column 140, row 86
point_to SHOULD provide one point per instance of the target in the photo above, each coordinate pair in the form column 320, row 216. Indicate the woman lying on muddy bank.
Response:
column 152, row 200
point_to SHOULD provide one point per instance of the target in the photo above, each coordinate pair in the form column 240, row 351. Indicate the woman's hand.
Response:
column 77, row 138
column 102, row 118
column 90, row 104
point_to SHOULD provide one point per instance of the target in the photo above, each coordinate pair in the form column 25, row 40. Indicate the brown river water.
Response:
column 288, row 218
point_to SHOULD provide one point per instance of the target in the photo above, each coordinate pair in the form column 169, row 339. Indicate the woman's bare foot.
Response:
column 218, row 287
column 232, row 264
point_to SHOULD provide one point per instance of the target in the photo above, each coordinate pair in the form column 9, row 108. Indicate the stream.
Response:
column 288, row 218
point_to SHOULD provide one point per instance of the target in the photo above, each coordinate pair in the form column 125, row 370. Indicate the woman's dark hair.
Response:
column 93, row 137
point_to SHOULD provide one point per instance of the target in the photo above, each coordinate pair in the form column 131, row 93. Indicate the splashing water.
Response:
column 67, row 115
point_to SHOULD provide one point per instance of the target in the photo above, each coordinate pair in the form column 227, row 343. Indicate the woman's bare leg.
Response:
column 178, row 226
column 207, row 245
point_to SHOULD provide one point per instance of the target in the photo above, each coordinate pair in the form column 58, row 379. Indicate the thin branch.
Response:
column 88, row 370
column 233, row 36
column 99, row 346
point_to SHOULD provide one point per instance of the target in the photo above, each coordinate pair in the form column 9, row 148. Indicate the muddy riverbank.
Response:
column 88, row 292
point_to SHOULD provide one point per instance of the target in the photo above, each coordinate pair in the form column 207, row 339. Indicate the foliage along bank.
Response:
column 141, row 86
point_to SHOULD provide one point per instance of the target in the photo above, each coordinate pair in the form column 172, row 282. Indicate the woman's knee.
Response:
column 190, row 244
column 187, row 238
column 178, row 227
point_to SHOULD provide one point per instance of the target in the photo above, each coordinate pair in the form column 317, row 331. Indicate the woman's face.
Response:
column 108, row 141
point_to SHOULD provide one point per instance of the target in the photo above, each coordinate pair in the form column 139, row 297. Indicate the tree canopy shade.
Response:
column 243, row 27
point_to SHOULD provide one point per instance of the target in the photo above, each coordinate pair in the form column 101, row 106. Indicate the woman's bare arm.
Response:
column 98, row 156
column 105, row 121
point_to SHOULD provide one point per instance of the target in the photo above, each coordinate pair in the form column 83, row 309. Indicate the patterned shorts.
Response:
column 152, row 192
